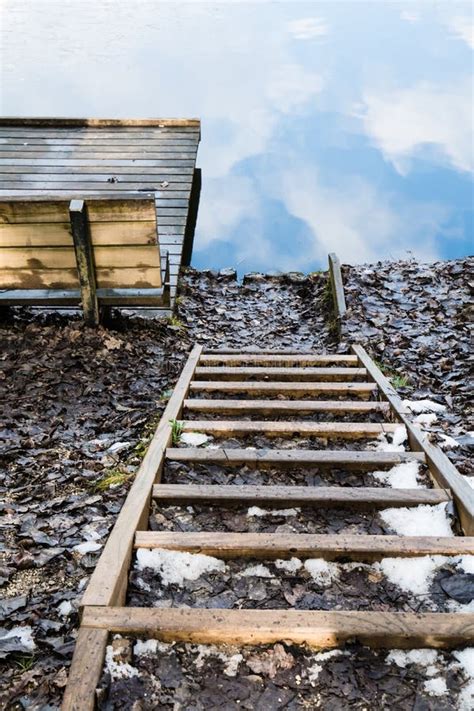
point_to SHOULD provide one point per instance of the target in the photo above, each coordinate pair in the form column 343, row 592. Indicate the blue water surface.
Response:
column 326, row 126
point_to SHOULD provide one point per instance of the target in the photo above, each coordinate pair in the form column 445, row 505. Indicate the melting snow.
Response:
column 465, row 657
column 426, row 420
column 175, row 566
column 418, row 520
column 424, row 657
column 194, row 439
column 257, row 511
column 411, row 574
column 261, row 571
column 24, row 634
column 117, row 669
column 87, row 547
column 321, row 571
column 289, row 566
column 424, row 406
column 231, row 662
column 315, row 670
column 436, row 687
column 448, row 442
column 402, row 476
column 396, row 445
column 65, row 608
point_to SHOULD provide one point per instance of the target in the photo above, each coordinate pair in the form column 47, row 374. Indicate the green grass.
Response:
column 400, row 381
column 114, row 477
column 176, row 322
column 176, row 431
column 25, row 661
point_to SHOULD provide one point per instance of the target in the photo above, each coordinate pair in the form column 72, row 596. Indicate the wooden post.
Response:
column 85, row 260
column 192, row 218
column 337, row 286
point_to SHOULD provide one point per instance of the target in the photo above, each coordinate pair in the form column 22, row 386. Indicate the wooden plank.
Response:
column 105, row 257
column 34, row 172
column 108, row 583
column 362, row 390
column 163, row 142
column 110, row 278
column 52, row 209
column 280, row 374
column 283, row 359
column 173, row 192
column 85, row 261
column 401, row 630
column 152, row 162
column 43, row 234
column 442, row 469
column 86, row 670
column 47, row 122
column 72, row 297
column 304, row 545
column 100, row 155
column 256, row 458
column 98, row 187
column 58, row 234
column 284, row 496
column 343, row 430
column 137, row 277
column 284, row 407
column 337, row 287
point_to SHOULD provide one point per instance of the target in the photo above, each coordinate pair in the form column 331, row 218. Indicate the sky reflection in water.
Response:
column 339, row 126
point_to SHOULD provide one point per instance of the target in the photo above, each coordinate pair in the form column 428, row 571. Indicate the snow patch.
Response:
column 87, row 547
column 65, row 608
column 23, row 633
column 436, row 686
column 425, row 420
column 315, row 669
column 289, row 566
column 260, row 571
column 424, row 520
column 466, row 562
column 465, row 657
column 469, row 480
column 447, row 442
column 397, row 439
column 117, row 669
column 413, row 575
column 321, row 571
column 423, row 657
column 402, row 476
column 231, row 662
column 257, row 511
column 175, row 567
column 193, row 439
column 424, row 406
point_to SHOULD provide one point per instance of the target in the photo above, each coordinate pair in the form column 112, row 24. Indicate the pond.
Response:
column 326, row 126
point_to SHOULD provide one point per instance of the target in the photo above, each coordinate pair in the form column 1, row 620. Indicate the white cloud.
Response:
column 463, row 28
column 308, row 27
column 410, row 16
column 291, row 86
column 402, row 122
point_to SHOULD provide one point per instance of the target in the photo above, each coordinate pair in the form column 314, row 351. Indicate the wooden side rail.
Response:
column 103, row 251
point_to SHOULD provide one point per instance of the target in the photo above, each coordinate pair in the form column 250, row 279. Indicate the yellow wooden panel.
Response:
column 65, row 258
column 36, row 235
column 109, row 210
column 100, row 210
column 34, row 211
column 110, row 233
column 122, row 278
column 39, row 279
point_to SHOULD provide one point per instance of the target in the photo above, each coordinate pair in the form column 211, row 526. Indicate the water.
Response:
column 326, row 126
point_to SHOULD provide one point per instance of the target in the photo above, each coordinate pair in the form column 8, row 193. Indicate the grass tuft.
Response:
column 114, row 477
column 176, row 431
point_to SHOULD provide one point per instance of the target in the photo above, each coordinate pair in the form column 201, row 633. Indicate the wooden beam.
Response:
column 362, row 390
column 337, row 287
column 343, row 430
column 255, row 458
column 280, row 358
column 48, row 122
column 108, row 583
column 284, row 407
column 84, row 260
column 304, row 545
column 401, row 630
column 284, row 496
column 86, row 669
column 279, row 374
column 442, row 469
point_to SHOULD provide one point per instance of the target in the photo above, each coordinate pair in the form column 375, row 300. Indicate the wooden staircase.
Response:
column 287, row 387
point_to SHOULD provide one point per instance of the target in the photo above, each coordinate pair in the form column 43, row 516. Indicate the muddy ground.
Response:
column 79, row 408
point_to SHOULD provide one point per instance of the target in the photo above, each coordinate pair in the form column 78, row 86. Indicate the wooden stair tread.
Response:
column 221, row 428
column 280, row 374
column 275, row 358
column 283, row 496
column 399, row 630
column 282, row 407
column 290, row 457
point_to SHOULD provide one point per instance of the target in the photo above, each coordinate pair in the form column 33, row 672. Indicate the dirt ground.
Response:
column 78, row 409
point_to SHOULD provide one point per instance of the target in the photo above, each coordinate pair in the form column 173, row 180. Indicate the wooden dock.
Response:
column 79, row 158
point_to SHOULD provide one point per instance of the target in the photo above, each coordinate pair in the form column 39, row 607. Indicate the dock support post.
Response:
column 85, row 260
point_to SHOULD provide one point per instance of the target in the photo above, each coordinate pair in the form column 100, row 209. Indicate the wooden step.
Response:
column 304, row 545
column 336, row 458
column 362, row 390
column 288, row 496
column 401, row 630
column 285, row 407
column 280, row 374
column 276, row 358
column 233, row 428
